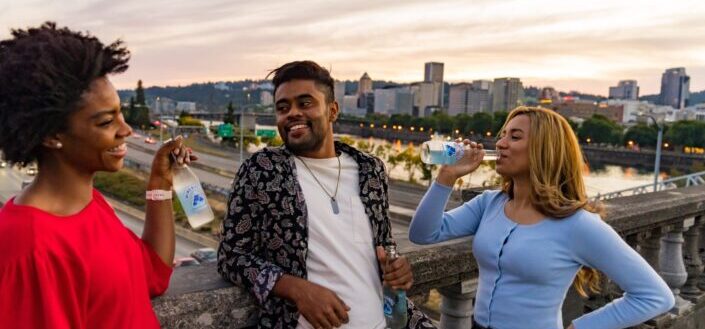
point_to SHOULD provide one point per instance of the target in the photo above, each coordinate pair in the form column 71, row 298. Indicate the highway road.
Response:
column 401, row 195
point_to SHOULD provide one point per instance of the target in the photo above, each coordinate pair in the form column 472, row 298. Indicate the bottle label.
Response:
column 388, row 305
column 196, row 199
column 453, row 150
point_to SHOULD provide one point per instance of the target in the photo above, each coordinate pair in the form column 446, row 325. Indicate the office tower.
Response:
column 339, row 92
column 365, row 85
column 625, row 89
column 675, row 88
column 507, row 94
column 433, row 73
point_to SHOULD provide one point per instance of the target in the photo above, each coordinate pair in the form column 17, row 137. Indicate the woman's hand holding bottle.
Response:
column 470, row 161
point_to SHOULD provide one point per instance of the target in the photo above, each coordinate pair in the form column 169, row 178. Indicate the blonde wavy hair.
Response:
column 556, row 175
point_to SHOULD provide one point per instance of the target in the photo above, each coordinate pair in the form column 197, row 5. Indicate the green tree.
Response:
column 574, row 125
column 443, row 122
column 498, row 119
column 141, row 116
column 687, row 133
column 642, row 135
column 140, row 100
column 127, row 111
column 481, row 123
column 599, row 129
column 229, row 116
column 462, row 121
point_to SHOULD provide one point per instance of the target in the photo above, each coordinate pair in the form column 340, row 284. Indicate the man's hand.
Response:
column 321, row 307
column 397, row 274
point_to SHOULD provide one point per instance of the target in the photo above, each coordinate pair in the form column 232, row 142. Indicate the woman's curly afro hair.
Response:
column 43, row 73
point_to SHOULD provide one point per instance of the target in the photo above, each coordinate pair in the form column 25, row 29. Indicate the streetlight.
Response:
column 659, row 139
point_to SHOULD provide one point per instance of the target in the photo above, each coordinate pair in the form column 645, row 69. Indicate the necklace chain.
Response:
column 337, row 182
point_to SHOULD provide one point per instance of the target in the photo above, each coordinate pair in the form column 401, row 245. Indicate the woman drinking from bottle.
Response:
column 67, row 261
column 532, row 237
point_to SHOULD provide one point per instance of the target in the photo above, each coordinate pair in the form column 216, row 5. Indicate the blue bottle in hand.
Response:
column 394, row 300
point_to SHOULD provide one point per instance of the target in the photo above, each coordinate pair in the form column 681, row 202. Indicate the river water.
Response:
column 599, row 178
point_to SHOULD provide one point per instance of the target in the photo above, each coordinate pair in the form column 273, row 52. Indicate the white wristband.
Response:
column 158, row 195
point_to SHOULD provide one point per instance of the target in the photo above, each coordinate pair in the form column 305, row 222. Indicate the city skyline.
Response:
column 586, row 47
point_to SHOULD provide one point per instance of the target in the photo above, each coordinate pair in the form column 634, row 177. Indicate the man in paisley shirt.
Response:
column 307, row 222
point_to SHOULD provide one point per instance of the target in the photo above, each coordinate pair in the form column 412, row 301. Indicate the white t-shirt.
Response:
column 341, row 254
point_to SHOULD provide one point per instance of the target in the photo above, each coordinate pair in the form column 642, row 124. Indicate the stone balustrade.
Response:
column 665, row 227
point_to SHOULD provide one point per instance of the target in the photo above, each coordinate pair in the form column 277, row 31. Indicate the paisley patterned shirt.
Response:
column 265, row 232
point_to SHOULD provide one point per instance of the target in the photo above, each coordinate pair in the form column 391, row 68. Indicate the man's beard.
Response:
column 313, row 143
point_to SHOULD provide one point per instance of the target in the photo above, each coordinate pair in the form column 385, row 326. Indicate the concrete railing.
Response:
column 665, row 227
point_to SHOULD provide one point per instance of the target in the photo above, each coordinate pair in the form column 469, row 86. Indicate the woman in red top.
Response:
column 66, row 260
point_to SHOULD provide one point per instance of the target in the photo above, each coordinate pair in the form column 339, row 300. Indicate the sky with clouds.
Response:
column 570, row 45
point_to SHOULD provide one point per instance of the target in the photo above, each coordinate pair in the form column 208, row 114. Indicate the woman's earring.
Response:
column 59, row 145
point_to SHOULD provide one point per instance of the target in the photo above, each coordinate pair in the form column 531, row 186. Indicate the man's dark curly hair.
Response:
column 43, row 73
column 304, row 70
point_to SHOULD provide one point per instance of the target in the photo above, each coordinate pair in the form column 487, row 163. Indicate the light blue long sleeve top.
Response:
column 526, row 270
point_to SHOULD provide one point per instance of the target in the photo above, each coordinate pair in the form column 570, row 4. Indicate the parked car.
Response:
column 205, row 255
column 185, row 261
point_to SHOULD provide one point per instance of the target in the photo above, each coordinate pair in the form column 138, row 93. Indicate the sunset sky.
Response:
column 570, row 45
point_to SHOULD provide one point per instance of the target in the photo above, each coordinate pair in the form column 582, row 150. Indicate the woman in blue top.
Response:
column 535, row 234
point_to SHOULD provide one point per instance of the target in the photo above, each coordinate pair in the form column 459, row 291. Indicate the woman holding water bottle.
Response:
column 67, row 260
column 538, row 233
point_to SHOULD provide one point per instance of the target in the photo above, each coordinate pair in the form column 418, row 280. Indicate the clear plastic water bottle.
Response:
column 447, row 153
column 190, row 193
column 394, row 300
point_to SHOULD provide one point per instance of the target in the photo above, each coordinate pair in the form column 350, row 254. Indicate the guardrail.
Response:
column 665, row 227
column 668, row 184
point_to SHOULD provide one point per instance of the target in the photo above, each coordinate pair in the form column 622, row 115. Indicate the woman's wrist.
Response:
column 445, row 177
column 159, row 183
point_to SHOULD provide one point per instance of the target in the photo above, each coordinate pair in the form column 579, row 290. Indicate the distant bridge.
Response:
column 668, row 184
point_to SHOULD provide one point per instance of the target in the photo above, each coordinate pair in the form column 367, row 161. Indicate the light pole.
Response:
column 242, row 136
column 659, row 141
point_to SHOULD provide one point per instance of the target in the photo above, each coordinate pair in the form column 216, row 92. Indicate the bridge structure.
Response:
column 693, row 179
column 665, row 227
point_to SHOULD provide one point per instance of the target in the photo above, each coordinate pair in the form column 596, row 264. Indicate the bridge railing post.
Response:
column 457, row 304
column 693, row 262
column 671, row 265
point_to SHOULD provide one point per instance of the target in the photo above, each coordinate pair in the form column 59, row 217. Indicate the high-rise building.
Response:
column 507, row 94
column 365, row 85
column 480, row 97
column 675, row 88
column 466, row 98
column 395, row 100
column 426, row 94
column 339, row 92
column 433, row 73
column 349, row 105
column 458, row 98
column 625, row 89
